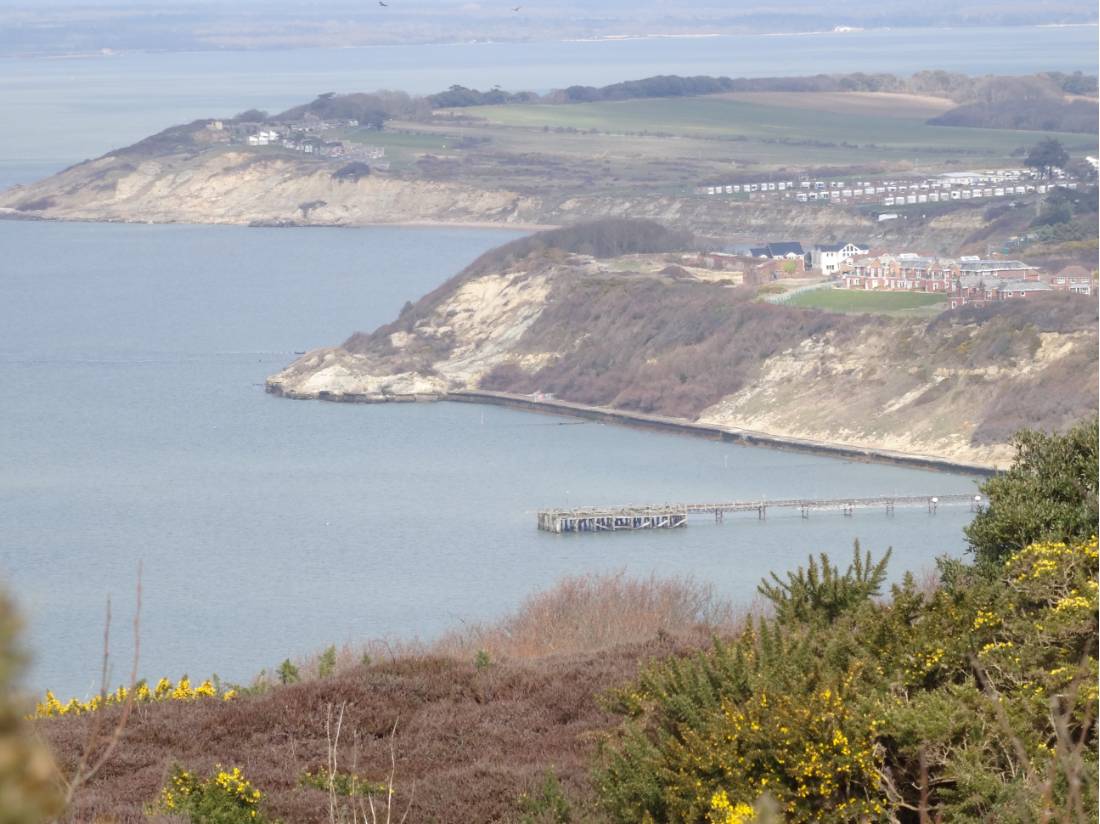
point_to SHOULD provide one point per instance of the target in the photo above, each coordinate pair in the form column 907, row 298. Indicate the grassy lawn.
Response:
column 807, row 131
column 850, row 300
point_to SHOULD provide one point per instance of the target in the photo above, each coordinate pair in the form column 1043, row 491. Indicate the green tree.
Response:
column 288, row 673
column 28, row 777
column 1047, row 155
column 326, row 664
column 1050, row 494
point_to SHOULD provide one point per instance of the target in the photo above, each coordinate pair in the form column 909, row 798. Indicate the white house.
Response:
column 827, row 257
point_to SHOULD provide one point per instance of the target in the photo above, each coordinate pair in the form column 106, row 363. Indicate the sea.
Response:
column 136, row 429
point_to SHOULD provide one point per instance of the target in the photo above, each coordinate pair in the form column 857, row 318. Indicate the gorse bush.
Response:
column 164, row 690
column 341, row 783
column 226, row 797
column 821, row 593
column 770, row 712
column 973, row 703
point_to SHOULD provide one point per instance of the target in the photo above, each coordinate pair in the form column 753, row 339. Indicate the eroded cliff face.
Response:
column 601, row 332
column 477, row 328
column 242, row 188
column 851, row 394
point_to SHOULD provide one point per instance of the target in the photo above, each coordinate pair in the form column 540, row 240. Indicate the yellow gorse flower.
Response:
column 165, row 690
column 226, row 790
column 722, row 811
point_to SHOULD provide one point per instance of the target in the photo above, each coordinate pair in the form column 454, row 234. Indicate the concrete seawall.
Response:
column 715, row 432
column 641, row 420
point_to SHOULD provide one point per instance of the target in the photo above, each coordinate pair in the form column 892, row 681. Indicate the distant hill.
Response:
column 1037, row 103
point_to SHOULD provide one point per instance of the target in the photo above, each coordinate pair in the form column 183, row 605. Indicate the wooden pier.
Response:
column 674, row 516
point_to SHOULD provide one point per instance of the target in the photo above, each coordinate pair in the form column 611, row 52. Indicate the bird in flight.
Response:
column 383, row 4
column 516, row 8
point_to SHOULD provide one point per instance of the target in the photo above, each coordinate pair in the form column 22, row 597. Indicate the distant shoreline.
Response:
column 114, row 53
column 487, row 225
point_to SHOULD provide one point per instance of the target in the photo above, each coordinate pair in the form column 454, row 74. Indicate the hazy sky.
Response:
column 74, row 27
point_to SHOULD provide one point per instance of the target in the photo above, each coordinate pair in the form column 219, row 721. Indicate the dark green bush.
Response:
column 1049, row 494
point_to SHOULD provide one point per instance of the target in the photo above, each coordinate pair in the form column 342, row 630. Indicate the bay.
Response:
column 135, row 427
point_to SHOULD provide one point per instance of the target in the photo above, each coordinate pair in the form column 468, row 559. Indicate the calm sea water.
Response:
column 135, row 426
column 64, row 110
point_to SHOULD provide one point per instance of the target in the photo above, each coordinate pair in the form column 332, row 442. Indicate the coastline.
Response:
column 15, row 215
column 641, row 420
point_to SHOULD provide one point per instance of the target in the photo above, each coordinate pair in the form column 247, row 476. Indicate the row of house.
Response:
column 964, row 280
column 946, row 187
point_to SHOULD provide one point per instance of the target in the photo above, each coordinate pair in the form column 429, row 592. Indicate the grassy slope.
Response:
column 844, row 300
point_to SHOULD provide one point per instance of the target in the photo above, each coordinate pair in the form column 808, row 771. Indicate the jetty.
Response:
column 675, row 516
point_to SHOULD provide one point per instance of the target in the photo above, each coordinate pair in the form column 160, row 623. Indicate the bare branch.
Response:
column 84, row 773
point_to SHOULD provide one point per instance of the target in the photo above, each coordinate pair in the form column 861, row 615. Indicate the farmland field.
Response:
column 879, row 104
column 761, row 128
column 849, row 300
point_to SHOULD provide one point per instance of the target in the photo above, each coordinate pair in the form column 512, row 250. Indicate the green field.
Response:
column 786, row 132
column 850, row 300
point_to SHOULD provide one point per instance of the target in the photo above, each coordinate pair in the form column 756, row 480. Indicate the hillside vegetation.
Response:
column 555, row 315
column 969, row 698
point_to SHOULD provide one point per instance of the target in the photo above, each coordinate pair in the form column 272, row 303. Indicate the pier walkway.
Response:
column 673, row 516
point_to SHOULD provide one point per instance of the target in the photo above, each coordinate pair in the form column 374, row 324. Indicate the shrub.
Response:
column 973, row 702
column 226, row 797
column 288, row 673
column 821, row 593
column 352, row 171
column 595, row 612
column 342, row 784
column 326, row 664
column 773, row 711
column 482, row 661
column 1049, row 494
column 163, row 690
column 546, row 806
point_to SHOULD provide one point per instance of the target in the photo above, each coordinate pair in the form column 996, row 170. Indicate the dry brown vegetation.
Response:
column 600, row 239
column 653, row 346
column 474, row 732
column 585, row 614
column 674, row 349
